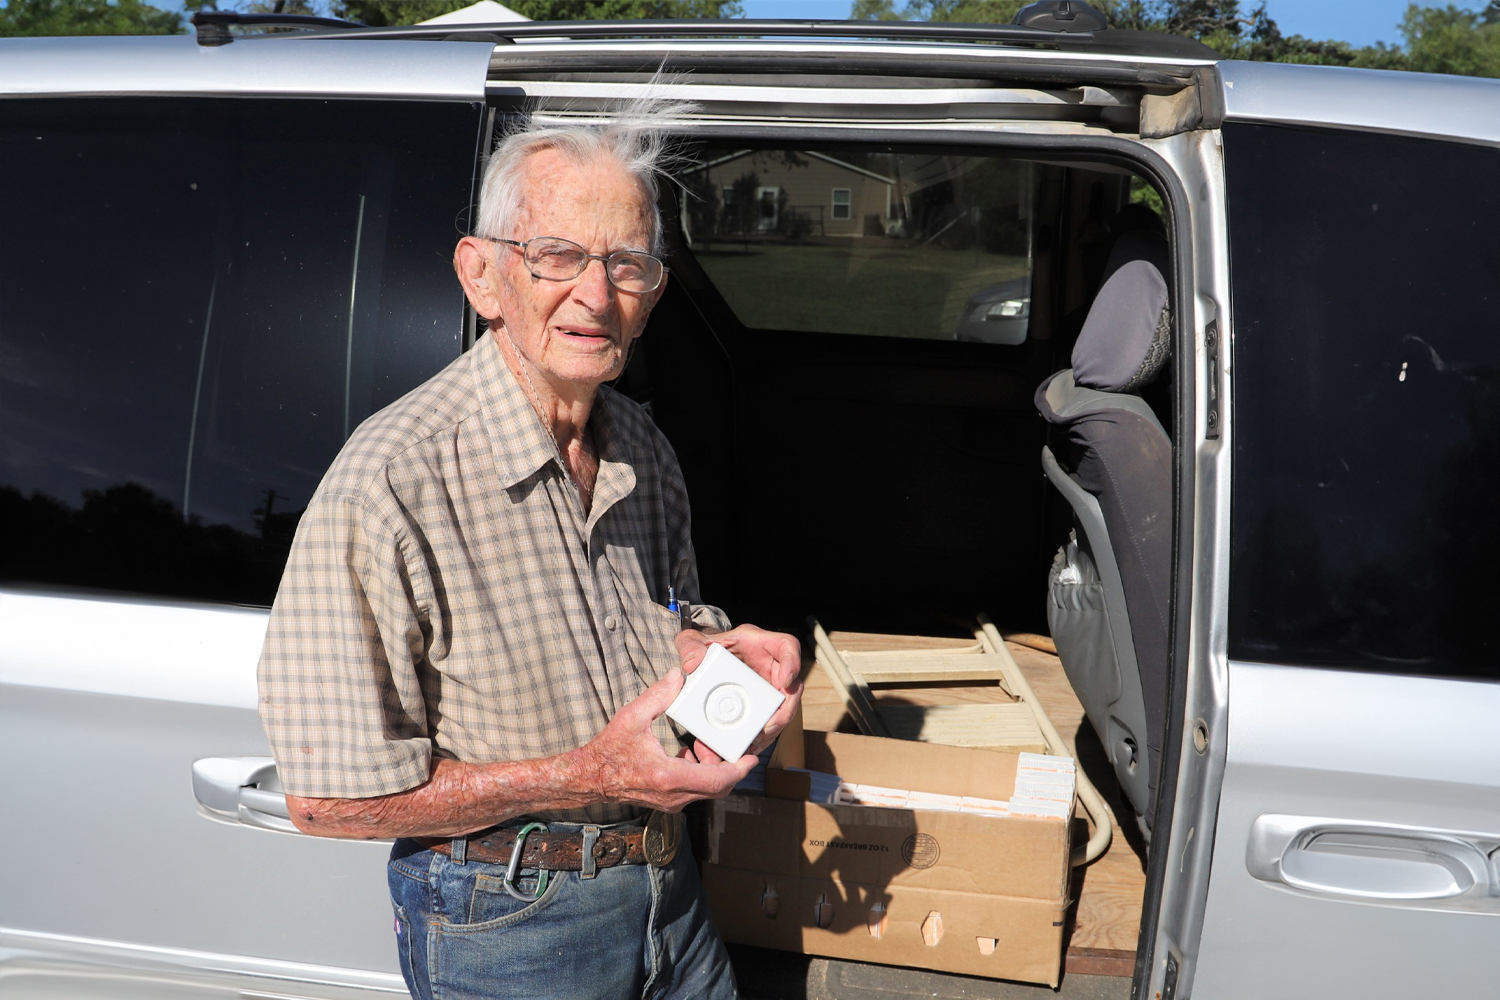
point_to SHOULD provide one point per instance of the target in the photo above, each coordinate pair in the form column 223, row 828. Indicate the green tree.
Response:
column 299, row 7
column 571, row 10
column 389, row 13
column 305, row 7
column 1437, row 39
column 1453, row 40
column 957, row 11
column 86, row 17
column 381, row 13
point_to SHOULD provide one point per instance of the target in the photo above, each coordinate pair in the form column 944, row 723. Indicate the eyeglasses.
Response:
column 555, row 259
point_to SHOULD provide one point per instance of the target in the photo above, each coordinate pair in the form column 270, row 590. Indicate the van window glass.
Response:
column 1366, row 400
column 888, row 243
column 199, row 299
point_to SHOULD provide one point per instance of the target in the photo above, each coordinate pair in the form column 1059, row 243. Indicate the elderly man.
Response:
column 472, row 647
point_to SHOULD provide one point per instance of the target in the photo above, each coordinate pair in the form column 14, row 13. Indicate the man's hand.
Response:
column 632, row 767
column 776, row 656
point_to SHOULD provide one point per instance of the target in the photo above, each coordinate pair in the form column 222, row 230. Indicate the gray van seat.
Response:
column 1109, row 588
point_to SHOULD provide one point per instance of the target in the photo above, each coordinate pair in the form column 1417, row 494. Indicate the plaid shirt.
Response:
column 446, row 593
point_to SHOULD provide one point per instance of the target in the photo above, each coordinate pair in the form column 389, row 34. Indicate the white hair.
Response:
column 638, row 139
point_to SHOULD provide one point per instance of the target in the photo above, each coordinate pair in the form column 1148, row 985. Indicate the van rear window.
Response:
column 886, row 243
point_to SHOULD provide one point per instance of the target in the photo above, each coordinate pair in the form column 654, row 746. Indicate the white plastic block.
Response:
column 724, row 703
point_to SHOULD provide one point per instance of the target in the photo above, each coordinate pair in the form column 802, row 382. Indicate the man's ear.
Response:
column 471, row 260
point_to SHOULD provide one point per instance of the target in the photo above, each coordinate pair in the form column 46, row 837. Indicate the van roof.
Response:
column 1403, row 103
column 149, row 65
column 359, row 62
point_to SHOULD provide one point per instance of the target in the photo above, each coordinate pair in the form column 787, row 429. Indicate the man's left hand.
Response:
column 776, row 656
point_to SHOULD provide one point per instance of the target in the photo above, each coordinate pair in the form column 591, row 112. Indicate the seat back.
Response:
column 1110, row 585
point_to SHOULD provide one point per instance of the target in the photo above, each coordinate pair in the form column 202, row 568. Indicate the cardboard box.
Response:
column 951, row 891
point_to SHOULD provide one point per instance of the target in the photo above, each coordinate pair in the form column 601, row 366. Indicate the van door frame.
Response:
column 1194, row 752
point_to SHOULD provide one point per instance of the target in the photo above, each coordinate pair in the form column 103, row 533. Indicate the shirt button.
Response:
column 611, row 622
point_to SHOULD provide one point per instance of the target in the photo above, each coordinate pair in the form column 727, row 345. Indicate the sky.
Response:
column 1359, row 22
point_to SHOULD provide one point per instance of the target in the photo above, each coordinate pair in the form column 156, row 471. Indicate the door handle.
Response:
column 1370, row 860
column 245, row 789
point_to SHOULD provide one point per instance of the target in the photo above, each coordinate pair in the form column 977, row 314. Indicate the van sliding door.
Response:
column 1359, row 827
column 199, row 300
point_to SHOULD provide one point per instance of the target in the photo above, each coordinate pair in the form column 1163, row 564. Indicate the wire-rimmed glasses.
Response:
column 553, row 258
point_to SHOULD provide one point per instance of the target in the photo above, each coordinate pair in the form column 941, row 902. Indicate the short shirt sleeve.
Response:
column 339, row 693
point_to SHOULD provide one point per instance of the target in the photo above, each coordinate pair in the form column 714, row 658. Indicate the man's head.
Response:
column 595, row 186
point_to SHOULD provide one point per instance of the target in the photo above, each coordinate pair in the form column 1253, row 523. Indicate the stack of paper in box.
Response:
column 1044, row 786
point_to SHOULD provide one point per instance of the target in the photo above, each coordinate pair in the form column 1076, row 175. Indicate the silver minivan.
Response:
column 216, row 259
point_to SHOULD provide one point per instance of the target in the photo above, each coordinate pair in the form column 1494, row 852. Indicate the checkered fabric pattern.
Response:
column 446, row 593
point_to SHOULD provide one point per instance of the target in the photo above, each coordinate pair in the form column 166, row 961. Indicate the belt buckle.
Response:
column 512, row 869
column 662, row 837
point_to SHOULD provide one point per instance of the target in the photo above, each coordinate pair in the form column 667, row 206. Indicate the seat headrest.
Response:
column 1126, row 338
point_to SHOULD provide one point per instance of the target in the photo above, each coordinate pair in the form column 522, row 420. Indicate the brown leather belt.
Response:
column 548, row 851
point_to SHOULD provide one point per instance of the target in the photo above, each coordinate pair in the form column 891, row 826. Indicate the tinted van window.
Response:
column 866, row 241
column 1366, row 280
column 199, row 299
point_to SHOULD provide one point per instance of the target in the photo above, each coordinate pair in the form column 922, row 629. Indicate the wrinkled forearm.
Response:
column 457, row 798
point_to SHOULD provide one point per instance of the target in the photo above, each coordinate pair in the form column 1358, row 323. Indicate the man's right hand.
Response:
column 632, row 767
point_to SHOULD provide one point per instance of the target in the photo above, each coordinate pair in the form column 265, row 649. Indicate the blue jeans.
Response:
column 631, row 931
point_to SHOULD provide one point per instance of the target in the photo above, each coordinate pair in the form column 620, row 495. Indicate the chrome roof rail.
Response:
column 1110, row 40
column 212, row 26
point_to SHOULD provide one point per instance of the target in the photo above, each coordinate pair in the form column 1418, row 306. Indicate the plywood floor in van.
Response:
column 1109, row 892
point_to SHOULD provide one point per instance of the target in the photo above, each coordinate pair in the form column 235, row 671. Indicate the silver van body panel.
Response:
column 30, row 969
column 105, row 706
column 1402, row 772
column 261, row 67
column 1419, row 104
column 171, row 651
column 108, row 701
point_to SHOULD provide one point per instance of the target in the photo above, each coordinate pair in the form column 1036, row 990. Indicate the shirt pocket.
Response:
column 656, row 630
column 649, row 640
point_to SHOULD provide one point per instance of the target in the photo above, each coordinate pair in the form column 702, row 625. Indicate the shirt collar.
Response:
column 617, row 458
column 521, row 445
column 517, row 438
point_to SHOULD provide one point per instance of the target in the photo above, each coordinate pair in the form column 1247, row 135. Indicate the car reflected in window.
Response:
column 998, row 314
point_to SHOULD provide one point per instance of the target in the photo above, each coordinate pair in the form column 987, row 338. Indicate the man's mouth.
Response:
column 595, row 336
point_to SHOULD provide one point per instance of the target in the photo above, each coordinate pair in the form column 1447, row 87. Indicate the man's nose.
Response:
column 592, row 286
